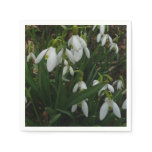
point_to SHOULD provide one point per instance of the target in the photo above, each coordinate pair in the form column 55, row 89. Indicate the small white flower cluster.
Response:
column 109, row 103
column 77, row 45
column 102, row 37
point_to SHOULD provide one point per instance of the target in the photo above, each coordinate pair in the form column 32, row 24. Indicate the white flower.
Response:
column 115, row 47
column 101, row 33
column 105, row 108
column 84, row 107
column 78, row 45
column 124, row 106
column 104, row 39
column 118, row 83
column 81, row 85
column 53, row 59
column 106, row 86
column 66, row 68
column 95, row 82
column 102, row 29
column 31, row 55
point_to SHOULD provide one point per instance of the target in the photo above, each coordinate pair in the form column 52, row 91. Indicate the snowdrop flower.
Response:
column 105, row 38
column 124, row 106
column 118, row 83
column 78, row 45
column 95, row 82
column 109, row 103
column 115, row 47
column 106, row 86
column 100, row 34
column 32, row 56
column 81, row 85
column 53, row 59
column 66, row 68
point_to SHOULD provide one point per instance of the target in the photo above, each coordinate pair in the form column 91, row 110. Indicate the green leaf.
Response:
column 78, row 97
column 66, row 113
column 44, row 81
column 54, row 119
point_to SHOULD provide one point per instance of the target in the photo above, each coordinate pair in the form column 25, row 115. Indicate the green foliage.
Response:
column 50, row 95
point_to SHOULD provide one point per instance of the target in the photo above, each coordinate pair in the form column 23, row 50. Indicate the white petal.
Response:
column 28, row 57
column 83, row 43
column 82, row 85
column 78, row 55
column 114, row 83
column 65, row 62
column 85, row 108
column 74, row 108
column 112, row 46
column 103, row 88
column 70, row 56
column 94, row 27
column 119, row 84
column 102, row 29
column 124, row 106
column 40, row 56
column 33, row 56
column 65, row 69
column 87, row 52
column 95, row 82
column 110, row 39
column 103, row 111
column 111, row 89
column 117, row 49
column 75, row 88
column 71, row 71
column 70, row 41
column 99, row 37
column 103, row 40
column 76, row 43
column 106, row 99
column 52, row 60
column 59, row 57
column 116, row 109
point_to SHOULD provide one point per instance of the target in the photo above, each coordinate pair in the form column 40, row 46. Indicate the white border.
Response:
column 22, row 76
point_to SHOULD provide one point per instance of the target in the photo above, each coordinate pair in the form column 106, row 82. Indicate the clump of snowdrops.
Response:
column 75, row 76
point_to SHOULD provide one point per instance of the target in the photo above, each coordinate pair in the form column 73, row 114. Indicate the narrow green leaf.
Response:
column 78, row 97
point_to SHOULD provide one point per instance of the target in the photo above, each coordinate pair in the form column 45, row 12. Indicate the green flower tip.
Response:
column 75, row 30
column 54, row 44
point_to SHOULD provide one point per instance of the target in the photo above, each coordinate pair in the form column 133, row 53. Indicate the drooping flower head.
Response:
column 81, row 85
column 53, row 59
column 67, row 68
column 77, row 45
column 109, row 103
